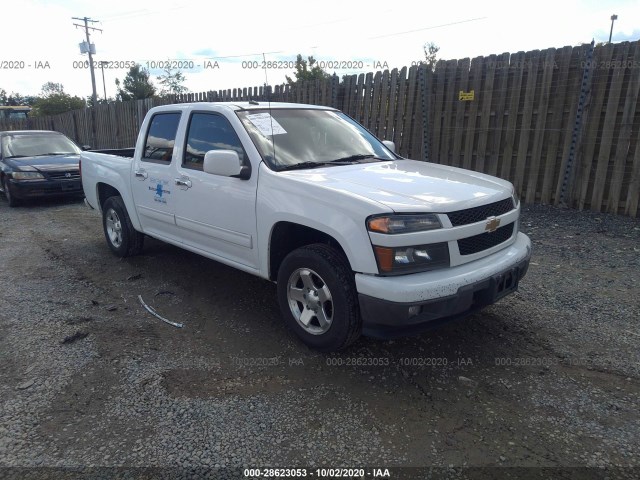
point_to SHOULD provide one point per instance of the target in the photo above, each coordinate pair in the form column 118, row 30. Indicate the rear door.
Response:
column 153, row 184
column 215, row 214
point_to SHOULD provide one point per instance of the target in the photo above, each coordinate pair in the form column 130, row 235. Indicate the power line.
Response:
column 141, row 13
column 428, row 28
column 86, row 27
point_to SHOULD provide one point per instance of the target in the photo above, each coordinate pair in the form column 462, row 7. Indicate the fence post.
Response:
column 425, row 93
column 334, row 90
column 585, row 88
column 76, row 134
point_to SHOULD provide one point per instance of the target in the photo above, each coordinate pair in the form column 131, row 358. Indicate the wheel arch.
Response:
column 288, row 236
column 104, row 191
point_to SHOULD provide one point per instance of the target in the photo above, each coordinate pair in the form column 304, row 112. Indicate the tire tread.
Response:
column 344, row 274
column 134, row 239
column 11, row 199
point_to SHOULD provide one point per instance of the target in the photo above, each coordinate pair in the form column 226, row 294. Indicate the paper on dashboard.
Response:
column 265, row 123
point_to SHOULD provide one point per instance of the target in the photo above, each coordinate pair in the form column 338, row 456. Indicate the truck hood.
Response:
column 409, row 185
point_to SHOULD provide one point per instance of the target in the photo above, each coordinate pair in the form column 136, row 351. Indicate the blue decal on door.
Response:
column 159, row 191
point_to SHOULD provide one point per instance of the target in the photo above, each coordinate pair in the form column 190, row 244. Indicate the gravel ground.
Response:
column 548, row 378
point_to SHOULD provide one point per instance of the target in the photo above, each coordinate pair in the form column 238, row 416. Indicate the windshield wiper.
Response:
column 353, row 158
column 350, row 160
column 15, row 156
column 301, row 165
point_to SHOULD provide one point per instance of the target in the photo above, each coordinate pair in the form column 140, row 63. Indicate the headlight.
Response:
column 27, row 175
column 419, row 258
column 514, row 197
column 403, row 223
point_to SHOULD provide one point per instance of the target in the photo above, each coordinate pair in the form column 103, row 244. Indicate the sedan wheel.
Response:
column 11, row 200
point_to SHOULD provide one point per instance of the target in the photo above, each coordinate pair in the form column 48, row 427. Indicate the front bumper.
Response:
column 396, row 306
column 45, row 188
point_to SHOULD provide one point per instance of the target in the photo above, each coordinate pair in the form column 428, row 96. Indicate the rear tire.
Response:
column 11, row 200
column 317, row 296
column 122, row 238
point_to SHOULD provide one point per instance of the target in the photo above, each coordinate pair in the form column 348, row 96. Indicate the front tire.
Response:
column 11, row 200
column 317, row 296
column 122, row 238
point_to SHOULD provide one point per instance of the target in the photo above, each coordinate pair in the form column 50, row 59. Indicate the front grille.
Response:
column 477, row 214
column 485, row 241
column 64, row 175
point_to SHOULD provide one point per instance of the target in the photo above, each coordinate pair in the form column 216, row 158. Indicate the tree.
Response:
column 15, row 99
column 53, row 100
column 101, row 101
column 595, row 44
column 431, row 54
column 52, row 88
column 136, row 84
column 307, row 70
column 172, row 81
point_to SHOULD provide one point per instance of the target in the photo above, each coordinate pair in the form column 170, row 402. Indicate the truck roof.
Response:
column 253, row 105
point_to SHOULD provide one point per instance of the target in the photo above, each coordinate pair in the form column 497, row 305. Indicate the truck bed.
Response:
column 121, row 152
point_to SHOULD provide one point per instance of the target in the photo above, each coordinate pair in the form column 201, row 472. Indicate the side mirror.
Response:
column 225, row 163
column 390, row 145
column 85, row 147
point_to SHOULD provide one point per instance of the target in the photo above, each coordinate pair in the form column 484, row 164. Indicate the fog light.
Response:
column 422, row 253
column 403, row 256
column 414, row 310
column 411, row 259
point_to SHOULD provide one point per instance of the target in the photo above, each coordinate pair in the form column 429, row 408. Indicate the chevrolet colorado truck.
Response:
column 358, row 239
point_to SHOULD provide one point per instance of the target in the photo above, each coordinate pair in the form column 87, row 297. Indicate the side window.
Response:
column 161, row 138
column 208, row 131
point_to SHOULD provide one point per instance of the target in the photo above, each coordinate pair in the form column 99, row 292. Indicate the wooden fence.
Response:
column 562, row 124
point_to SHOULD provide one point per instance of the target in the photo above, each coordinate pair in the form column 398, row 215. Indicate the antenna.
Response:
column 268, row 92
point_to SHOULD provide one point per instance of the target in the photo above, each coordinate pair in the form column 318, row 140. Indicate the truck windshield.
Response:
column 305, row 138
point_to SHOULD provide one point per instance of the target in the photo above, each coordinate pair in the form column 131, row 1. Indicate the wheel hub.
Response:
column 310, row 301
column 114, row 228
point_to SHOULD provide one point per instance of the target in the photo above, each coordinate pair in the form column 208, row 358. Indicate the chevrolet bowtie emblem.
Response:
column 492, row 224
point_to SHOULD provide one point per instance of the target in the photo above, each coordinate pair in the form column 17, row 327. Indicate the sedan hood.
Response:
column 46, row 163
column 409, row 185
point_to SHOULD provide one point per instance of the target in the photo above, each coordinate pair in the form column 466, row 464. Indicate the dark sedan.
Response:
column 38, row 163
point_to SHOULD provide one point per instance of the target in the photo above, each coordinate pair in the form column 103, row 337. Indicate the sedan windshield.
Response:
column 37, row 144
column 307, row 138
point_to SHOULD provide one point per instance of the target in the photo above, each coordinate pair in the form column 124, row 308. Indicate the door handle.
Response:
column 141, row 174
column 183, row 182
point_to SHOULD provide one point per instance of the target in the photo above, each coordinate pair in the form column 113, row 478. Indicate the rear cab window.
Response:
column 161, row 138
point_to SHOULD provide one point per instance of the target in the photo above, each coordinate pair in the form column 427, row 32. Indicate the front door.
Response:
column 215, row 214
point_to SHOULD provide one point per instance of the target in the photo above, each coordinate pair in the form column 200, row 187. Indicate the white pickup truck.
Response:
column 358, row 239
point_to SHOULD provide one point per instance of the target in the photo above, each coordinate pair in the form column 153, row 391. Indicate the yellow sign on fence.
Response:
column 466, row 96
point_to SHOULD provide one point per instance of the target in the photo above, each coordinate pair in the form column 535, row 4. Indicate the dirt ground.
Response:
column 548, row 377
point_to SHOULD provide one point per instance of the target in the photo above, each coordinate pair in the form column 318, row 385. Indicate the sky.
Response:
column 223, row 45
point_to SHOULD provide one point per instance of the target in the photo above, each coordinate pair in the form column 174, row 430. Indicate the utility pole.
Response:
column 613, row 19
column 86, row 27
column 104, row 85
